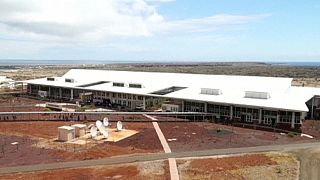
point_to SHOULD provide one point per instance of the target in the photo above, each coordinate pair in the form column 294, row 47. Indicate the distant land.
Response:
column 20, row 62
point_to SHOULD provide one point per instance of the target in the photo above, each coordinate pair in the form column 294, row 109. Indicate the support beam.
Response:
column 302, row 115
column 293, row 120
column 205, row 107
column 71, row 94
column 60, row 93
column 231, row 112
column 312, row 108
column 182, row 106
column 260, row 116
column 144, row 103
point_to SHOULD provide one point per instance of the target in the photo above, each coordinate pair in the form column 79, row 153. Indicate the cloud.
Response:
column 85, row 19
column 206, row 24
column 91, row 21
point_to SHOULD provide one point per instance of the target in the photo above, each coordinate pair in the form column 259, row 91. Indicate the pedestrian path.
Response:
column 156, row 156
column 174, row 174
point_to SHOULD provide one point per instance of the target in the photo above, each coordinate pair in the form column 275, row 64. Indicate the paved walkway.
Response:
column 156, row 156
column 174, row 174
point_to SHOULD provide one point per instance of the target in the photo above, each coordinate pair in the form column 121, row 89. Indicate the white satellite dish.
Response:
column 119, row 126
column 93, row 131
column 106, row 122
column 102, row 129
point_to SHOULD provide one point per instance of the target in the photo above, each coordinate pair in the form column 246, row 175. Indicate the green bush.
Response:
column 292, row 134
column 47, row 109
column 80, row 109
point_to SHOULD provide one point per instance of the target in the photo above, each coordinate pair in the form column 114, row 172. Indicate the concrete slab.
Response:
column 115, row 136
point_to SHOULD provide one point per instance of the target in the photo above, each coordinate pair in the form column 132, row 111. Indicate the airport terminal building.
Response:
column 249, row 99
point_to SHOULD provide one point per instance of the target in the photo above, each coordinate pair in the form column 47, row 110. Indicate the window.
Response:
column 168, row 90
column 285, row 117
column 194, row 106
column 69, row 80
column 135, row 86
column 248, row 118
column 117, row 84
column 94, row 84
column 267, row 120
column 297, row 118
column 50, row 79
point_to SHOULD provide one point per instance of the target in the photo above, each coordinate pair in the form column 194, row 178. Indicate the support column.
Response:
column 29, row 89
column 71, row 94
column 182, row 106
column 312, row 108
column 49, row 92
column 293, row 120
column 231, row 112
column 260, row 116
column 302, row 115
column 205, row 107
column 144, row 103
column 60, row 93
column 278, row 118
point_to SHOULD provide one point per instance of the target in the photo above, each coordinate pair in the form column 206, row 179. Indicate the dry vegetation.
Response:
column 148, row 170
column 254, row 166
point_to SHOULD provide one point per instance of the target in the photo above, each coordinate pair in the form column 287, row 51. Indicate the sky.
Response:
column 160, row 30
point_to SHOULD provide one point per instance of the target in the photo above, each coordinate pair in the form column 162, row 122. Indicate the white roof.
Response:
column 79, row 125
column 282, row 94
column 66, row 128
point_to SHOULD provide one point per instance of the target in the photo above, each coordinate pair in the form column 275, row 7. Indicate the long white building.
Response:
column 251, row 99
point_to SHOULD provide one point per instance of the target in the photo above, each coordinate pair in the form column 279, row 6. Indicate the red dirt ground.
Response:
column 10, row 103
column 26, row 152
column 146, row 141
column 8, row 100
column 311, row 127
column 123, row 171
column 40, row 129
column 202, row 136
column 100, row 172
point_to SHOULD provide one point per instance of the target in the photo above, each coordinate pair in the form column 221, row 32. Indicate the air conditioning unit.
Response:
column 257, row 95
column 209, row 91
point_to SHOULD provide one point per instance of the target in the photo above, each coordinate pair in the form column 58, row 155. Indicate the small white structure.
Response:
column 80, row 129
column 93, row 131
column 7, row 82
column 170, row 107
column 66, row 133
column 119, row 126
column 102, row 129
column 106, row 122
